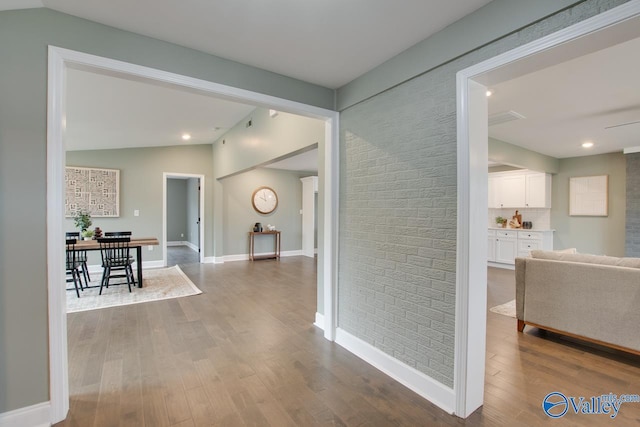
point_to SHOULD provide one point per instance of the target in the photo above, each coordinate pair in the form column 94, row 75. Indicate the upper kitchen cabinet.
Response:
column 519, row 189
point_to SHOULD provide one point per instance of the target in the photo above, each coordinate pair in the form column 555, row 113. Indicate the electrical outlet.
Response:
column 150, row 247
column 181, row 234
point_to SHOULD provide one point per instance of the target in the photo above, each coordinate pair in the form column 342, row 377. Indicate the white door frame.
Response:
column 165, row 177
column 471, row 282
column 58, row 61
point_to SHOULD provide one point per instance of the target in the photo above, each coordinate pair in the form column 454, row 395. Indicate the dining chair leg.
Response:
column 80, row 281
column 75, row 282
column 105, row 278
column 85, row 273
column 129, row 273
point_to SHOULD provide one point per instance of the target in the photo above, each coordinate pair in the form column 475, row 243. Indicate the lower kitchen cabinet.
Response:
column 507, row 244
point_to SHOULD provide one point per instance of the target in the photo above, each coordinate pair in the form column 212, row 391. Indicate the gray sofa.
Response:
column 591, row 297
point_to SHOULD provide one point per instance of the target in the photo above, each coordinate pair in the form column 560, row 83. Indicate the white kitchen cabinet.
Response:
column 538, row 190
column 491, row 246
column 519, row 189
column 507, row 244
column 492, row 192
column 510, row 191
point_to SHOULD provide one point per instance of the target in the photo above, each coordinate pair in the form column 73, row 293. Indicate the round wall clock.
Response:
column 264, row 200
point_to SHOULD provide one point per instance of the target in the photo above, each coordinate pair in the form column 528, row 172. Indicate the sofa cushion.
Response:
column 586, row 258
column 566, row 251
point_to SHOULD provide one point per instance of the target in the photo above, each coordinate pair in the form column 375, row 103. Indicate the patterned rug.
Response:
column 159, row 284
column 506, row 309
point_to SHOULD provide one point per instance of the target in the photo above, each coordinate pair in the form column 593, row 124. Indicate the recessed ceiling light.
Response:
column 186, row 136
column 587, row 144
column 489, row 92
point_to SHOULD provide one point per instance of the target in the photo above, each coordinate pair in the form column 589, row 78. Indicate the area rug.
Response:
column 506, row 309
column 159, row 284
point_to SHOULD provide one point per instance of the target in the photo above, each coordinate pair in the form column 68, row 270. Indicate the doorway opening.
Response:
column 59, row 61
column 183, row 210
column 609, row 28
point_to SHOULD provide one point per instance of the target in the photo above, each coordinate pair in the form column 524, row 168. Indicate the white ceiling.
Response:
column 330, row 43
column 105, row 112
column 573, row 102
column 327, row 42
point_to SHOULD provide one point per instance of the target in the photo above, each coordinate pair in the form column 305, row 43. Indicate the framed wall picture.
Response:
column 589, row 196
column 96, row 191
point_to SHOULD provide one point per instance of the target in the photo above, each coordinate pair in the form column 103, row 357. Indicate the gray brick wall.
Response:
column 632, row 229
column 398, row 209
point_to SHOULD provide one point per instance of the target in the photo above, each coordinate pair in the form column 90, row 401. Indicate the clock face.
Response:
column 264, row 200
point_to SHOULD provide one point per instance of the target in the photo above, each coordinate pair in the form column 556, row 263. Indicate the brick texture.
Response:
column 632, row 241
column 398, row 202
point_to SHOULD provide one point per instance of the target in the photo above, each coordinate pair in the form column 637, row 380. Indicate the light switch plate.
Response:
column 136, row 213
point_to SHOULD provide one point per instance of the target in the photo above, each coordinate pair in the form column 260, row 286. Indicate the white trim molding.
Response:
column 59, row 60
column 435, row 392
column 319, row 321
column 470, row 338
column 38, row 415
column 245, row 257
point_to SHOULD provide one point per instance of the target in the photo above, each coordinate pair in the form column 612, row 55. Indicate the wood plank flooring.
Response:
column 245, row 353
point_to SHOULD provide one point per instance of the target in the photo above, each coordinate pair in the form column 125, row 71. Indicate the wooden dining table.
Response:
column 136, row 242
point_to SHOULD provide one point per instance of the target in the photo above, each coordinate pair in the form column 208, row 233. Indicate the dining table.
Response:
column 136, row 242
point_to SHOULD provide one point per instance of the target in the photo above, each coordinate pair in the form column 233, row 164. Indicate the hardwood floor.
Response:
column 245, row 353
column 180, row 255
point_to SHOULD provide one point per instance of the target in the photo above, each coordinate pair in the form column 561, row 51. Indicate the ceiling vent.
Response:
column 503, row 117
column 622, row 124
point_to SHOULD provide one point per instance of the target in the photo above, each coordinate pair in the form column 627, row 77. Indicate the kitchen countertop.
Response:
column 521, row 229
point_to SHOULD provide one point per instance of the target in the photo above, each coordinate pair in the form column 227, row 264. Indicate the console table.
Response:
column 276, row 249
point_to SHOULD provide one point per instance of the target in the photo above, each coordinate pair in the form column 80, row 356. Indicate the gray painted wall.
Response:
column 509, row 154
column 632, row 229
column 398, row 178
column 176, row 210
column 239, row 215
column 592, row 235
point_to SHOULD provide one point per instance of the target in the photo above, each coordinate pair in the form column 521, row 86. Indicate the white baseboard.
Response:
column 432, row 390
column 183, row 243
column 245, row 257
column 209, row 260
column 38, row 415
column 319, row 321
column 151, row 264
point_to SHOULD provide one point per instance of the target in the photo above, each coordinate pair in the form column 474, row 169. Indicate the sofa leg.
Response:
column 520, row 325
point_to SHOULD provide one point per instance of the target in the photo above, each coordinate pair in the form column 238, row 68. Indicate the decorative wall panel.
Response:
column 92, row 190
column 588, row 196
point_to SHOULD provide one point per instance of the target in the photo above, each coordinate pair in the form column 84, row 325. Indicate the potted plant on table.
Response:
column 87, row 234
column 82, row 220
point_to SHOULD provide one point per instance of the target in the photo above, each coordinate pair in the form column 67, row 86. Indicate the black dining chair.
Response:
column 115, row 258
column 81, row 256
column 73, row 266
